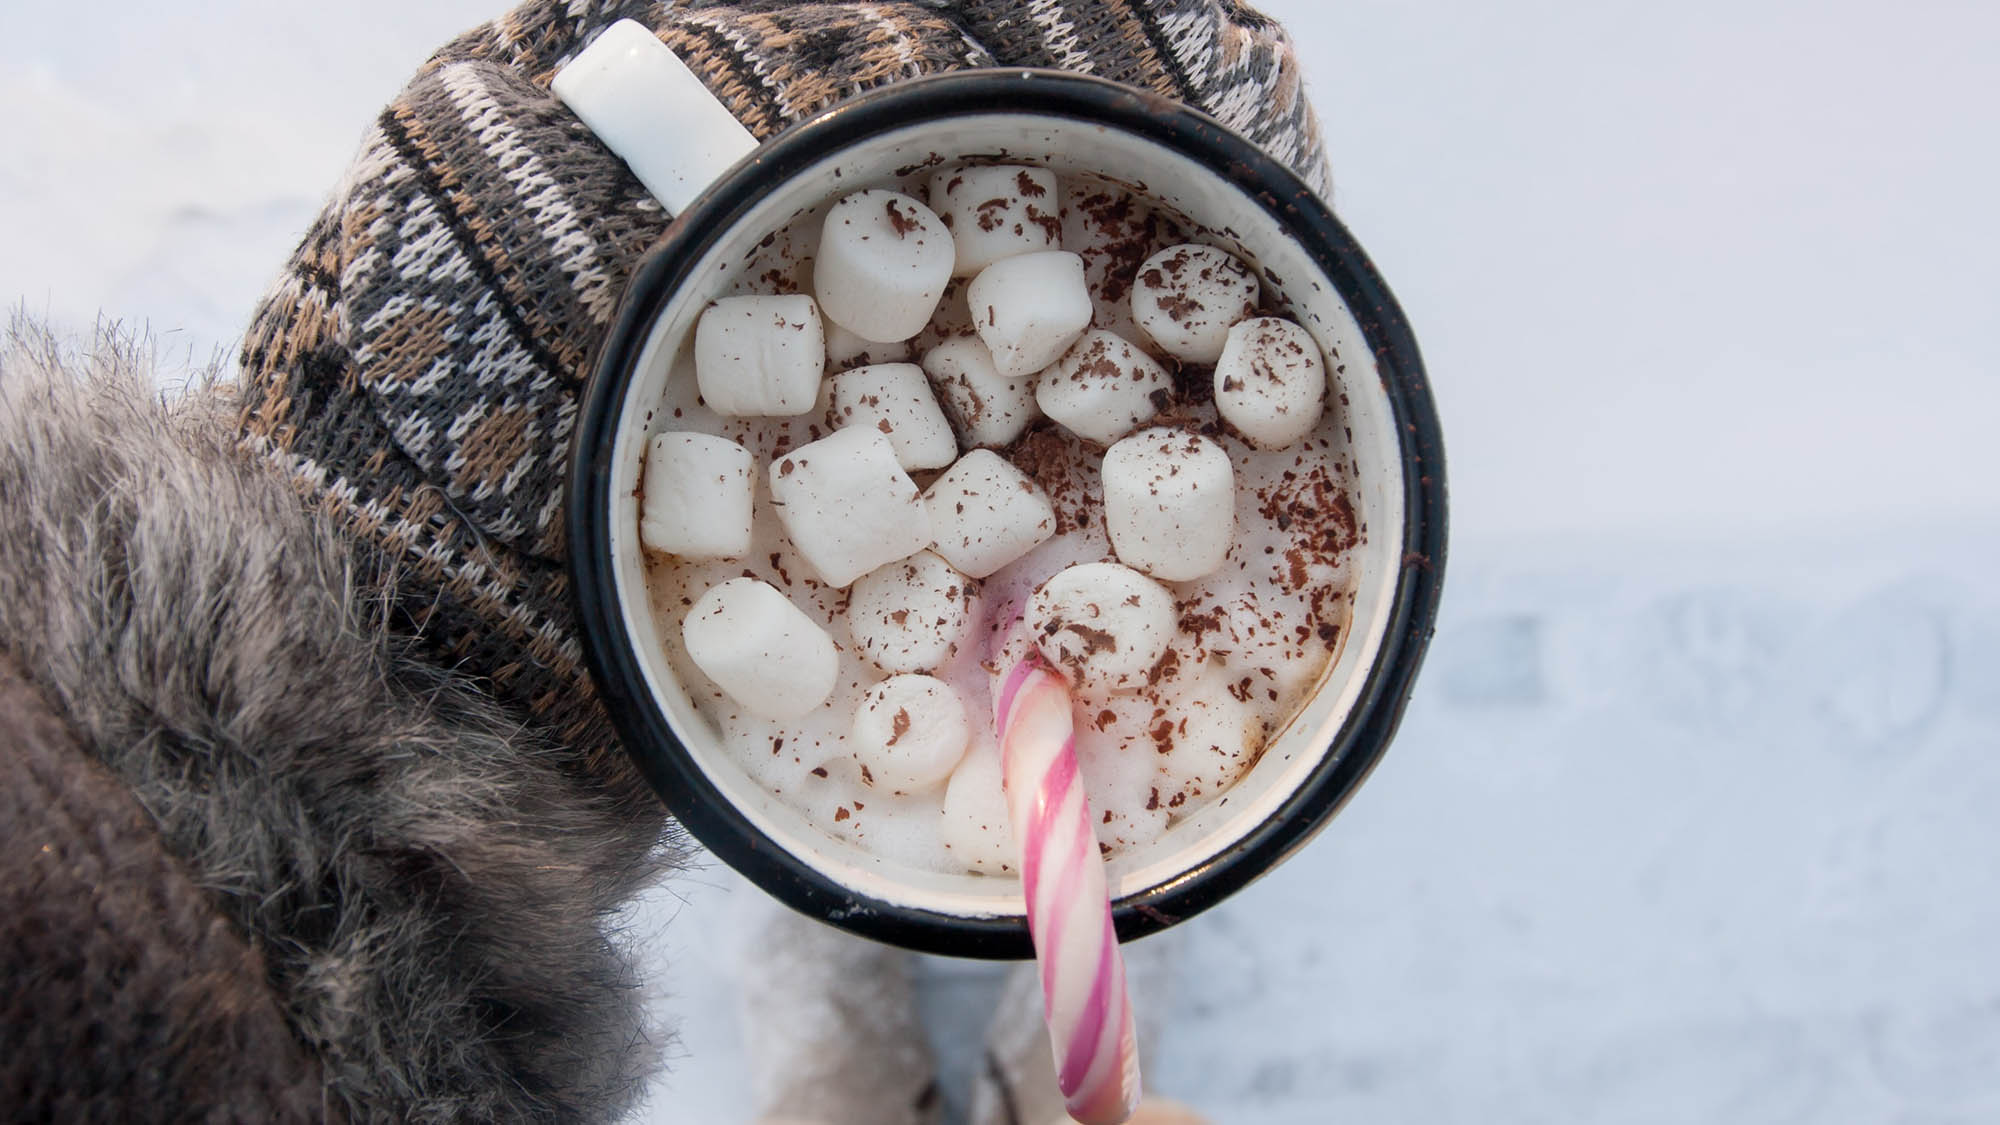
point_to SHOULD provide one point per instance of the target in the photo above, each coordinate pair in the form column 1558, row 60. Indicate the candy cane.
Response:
column 1088, row 1010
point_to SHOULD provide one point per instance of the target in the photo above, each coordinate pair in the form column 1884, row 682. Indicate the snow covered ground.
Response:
column 1691, row 819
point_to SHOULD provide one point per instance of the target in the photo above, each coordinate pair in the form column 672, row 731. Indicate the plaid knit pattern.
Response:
column 415, row 369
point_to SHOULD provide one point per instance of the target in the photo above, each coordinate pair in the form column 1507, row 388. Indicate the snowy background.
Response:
column 1693, row 818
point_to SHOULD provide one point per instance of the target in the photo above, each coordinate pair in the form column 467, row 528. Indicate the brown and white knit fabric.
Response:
column 415, row 369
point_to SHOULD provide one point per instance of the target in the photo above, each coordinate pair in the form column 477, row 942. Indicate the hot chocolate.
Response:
column 1099, row 445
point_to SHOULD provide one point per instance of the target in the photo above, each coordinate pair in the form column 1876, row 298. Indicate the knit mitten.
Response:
column 415, row 369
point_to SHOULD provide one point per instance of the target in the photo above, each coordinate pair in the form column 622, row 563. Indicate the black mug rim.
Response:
column 642, row 724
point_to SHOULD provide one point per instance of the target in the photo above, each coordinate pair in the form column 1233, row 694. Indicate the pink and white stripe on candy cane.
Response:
column 1084, row 997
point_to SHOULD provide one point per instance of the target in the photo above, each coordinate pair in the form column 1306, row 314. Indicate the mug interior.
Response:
column 1227, row 215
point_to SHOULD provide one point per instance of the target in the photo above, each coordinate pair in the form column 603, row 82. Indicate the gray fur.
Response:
column 433, row 895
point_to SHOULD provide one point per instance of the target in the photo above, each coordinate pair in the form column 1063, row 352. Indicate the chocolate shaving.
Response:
column 1094, row 640
column 988, row 213
column 900, row 223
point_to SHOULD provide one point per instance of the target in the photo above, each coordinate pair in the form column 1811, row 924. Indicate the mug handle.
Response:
column 645, row 104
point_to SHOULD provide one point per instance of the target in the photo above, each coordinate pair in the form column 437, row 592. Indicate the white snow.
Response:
column 1691, row 818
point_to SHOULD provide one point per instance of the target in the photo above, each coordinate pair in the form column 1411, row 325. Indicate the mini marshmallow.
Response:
column 1029, row 309
column 847, row 505
column 1270, row 382
column 985, row 407
column 997, row 212
column 697, row 496
column 1272, row 669
column 883, row 262
column 760, row 649
column 895, row 399
column 647, row 106
column 909, row 732
column 1186, row 297
column 1103, row 388
column 1118, row 760
column 845, row 350
column 974, row 827
column 1169, row 503
column 1103, row 624
column 760, row 356
column 910, row 616
column 1212, row 739
column 986, row 513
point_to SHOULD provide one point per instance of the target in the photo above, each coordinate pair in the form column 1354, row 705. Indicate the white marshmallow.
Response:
column 985, row 407
column 844, row 349
column 647, row 106
column 974, row 826
column 1187, row 296
column 760, row 356
column 909, row 732
column 1103, row 388
column 896, row 399
column 1232, row 613
column 986, row 513
column 1169, row 503
column 1119, row 765
column 847, row 505
column 882, row 264
column 697, row 496
column 910, row 616
column 997, row 212
column 1213, row 739
column 1270, row 382
column 760, row 649
column 1029, row 309
column 1103, row 624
